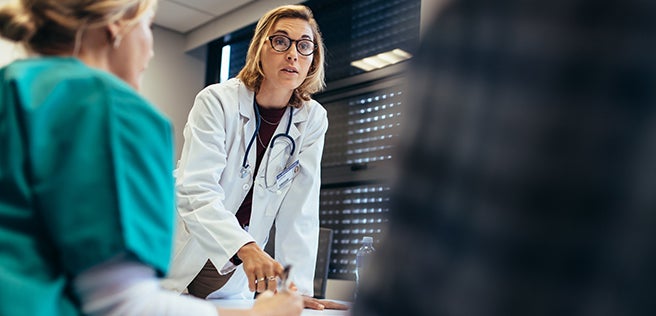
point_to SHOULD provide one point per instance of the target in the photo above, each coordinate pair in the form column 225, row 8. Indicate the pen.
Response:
column 284, row 282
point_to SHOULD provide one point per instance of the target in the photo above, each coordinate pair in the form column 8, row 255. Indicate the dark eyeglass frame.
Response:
column 291, row 41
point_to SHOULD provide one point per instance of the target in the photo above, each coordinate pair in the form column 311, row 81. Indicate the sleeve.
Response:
column 200, row 196
column 126, row 287
column 103, row 185
column 297, row 223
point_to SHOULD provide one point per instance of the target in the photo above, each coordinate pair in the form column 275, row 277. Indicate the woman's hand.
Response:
column 259, row 267
column 313, row 303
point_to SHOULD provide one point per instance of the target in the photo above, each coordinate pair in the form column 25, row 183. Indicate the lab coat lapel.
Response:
column 300, row 115
column 250, row 122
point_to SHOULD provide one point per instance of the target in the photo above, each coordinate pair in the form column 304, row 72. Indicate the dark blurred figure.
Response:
column 528, row 173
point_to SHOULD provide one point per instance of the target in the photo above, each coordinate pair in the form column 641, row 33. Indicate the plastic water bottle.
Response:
column 362, row 259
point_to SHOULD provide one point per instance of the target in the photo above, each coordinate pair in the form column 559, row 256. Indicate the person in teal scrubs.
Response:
column 86, row 187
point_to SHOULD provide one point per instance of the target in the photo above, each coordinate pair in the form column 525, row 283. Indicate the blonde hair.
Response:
column 252, row 73
column 49, row 27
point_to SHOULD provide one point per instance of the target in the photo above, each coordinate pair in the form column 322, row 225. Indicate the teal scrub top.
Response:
column 85, row 175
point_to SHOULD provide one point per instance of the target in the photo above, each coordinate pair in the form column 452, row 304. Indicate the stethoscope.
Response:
column 244, row 165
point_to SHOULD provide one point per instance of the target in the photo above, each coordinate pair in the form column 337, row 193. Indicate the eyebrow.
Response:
column 304, row 36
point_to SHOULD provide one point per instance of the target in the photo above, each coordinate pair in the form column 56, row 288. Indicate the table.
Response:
column 244, row 304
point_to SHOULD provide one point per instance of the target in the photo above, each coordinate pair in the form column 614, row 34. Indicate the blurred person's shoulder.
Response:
column 63, row 75
column 77, row 87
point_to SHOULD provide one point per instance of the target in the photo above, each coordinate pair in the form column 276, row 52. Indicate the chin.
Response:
column 293, row 85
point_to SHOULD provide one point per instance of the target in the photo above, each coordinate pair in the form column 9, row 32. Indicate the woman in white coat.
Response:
column 251, row 157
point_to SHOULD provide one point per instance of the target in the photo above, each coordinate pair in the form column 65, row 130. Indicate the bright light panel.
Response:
column 381, row 60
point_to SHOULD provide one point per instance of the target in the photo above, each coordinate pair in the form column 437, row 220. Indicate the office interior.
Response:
column 364, row 101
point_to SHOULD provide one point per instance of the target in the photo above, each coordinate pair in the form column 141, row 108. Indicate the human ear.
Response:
column 115, row 34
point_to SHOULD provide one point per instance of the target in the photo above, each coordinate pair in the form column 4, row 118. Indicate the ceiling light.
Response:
column 362, row 65
column 381, row 60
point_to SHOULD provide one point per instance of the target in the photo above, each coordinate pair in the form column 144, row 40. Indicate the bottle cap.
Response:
column 367, row 239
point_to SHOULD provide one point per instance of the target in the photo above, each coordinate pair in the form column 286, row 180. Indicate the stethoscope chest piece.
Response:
column 244, row 171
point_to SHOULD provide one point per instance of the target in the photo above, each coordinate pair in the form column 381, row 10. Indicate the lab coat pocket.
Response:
column 281, row 188
column 272, row 207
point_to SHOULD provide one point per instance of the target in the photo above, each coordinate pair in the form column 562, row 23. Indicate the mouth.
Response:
column 290, row 70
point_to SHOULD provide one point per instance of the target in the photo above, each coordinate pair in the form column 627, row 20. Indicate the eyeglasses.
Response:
column 282, row 43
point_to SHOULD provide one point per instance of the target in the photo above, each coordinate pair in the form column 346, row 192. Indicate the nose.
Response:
column 292, row 53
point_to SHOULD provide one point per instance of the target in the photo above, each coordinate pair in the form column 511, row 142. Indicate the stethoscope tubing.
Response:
column 244, row 164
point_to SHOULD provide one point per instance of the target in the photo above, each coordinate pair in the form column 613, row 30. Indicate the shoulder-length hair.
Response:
column 252, row 74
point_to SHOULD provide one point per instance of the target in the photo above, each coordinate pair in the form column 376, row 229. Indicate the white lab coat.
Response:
column 209, row 191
